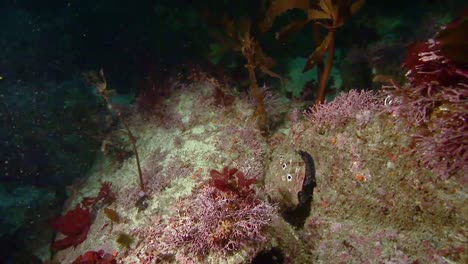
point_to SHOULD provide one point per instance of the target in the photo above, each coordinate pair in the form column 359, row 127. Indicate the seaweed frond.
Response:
column 124, row 240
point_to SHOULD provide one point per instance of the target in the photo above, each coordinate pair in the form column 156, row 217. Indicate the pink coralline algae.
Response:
column 218, row 221
column 222, row 216
column 435, row 101
column 344, row 107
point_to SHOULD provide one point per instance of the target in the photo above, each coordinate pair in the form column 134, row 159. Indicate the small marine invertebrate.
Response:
column 297, row 215
column 360, row 178
column 285, row 177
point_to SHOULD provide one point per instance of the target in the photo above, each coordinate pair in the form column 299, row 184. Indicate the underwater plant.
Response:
column 75, row 224
column 231, row 179
column 112, row 215
column 335, row 11
column 345, row 106
column 222, row 216
column 95, row 257
column 124, row 240
column 435, row 101
column 239, row 36
column 248, row 50
column 100, row 83
column 221, row 98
